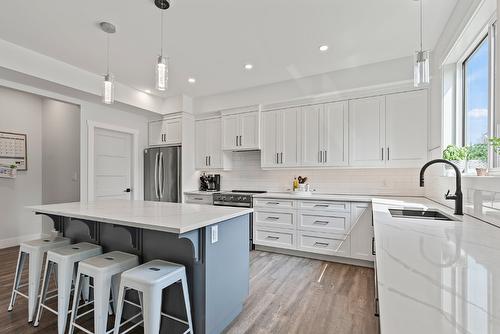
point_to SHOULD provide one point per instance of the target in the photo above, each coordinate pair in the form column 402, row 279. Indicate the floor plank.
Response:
column 287, row 295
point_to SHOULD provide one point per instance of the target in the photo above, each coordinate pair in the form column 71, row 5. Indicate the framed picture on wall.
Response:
column 13, row 150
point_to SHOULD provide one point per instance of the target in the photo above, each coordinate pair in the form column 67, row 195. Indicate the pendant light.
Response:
column 421, row 76
column 162, row 62
column 108, row 86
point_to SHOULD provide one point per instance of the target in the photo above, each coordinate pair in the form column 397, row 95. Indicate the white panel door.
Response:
column 249, row 131
column 155, row 133
column 269, row 153
column 213, row 140
column 230, row 132
column 288, row 141
column 406, row 129
column 335, row 134
column 310, row 134
column 112, row 164
column 367, row 132
column 172, row 131
column 201, row 154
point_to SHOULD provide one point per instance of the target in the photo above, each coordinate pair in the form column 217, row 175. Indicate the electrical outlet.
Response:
column 215, row 233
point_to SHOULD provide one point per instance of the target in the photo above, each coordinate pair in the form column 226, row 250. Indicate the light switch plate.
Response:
column 215, row 233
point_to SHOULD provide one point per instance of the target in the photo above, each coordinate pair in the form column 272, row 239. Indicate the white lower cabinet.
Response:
column 337, row 228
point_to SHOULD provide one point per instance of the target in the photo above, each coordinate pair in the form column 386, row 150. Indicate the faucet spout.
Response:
column 458, row 197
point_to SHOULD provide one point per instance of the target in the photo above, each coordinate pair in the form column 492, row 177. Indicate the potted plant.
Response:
column 495, row 144
column 13, row 170
column 457, row 155
column 477, row 159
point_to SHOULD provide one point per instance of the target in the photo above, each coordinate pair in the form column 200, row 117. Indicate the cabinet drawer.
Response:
column 275, row 218
column 199, row 199
column 323, row 244
column 338, row 222
column 274, row 237
column 325, row 206
column 274, row 203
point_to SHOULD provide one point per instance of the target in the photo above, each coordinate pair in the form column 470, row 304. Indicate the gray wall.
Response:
column 22, row 113
column 60, row 154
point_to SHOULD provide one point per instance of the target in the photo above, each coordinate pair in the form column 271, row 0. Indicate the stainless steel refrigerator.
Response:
column 162, row 174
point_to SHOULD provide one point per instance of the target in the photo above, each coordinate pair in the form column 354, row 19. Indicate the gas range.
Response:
column 238, row 198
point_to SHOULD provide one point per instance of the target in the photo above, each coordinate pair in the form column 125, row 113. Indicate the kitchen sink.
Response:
column 417, row 213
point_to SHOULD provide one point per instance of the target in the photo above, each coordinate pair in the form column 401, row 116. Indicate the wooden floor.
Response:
column 287, row 295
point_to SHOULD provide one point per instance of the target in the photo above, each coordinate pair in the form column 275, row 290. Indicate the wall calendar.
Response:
column 13, row 150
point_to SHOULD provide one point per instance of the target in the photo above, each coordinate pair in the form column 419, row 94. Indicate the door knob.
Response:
column 127, row 190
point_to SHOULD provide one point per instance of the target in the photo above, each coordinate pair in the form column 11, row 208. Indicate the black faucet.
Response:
column 458, row 197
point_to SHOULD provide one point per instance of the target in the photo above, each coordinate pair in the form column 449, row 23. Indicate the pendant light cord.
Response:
column 421, row 25
column 107, row 54
column 161, row 34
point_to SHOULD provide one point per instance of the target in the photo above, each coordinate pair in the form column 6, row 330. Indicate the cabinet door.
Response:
column 310, row 134
column 288, row 132
column 269, row 153
column 201, row 155
column 335, row 134
column 172, row 131
column 367, row 132
column 213, row 140
column 230, row 132
column 361, row 232
column 249, row 131
column 406, row 129
column 155, row 133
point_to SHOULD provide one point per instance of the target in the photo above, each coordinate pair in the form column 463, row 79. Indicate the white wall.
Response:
column 60, row 154
column 21, row 113
column 388, row 72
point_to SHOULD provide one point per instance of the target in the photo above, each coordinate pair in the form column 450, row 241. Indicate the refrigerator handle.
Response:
column 161, row 176
column 156, row 176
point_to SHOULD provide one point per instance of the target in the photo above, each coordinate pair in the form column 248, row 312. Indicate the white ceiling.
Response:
column 212, row 40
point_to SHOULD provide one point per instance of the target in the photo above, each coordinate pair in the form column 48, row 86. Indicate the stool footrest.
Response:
column 129, row 320
column 174, row 318
column 21, row 294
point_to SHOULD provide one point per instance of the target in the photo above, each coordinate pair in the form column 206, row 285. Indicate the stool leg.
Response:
column 17, row 279
column 102, row 288
column 115, row 286
column 119, row 309
column 35, row 270
column 151, row 311
column 64, row 277
column 185, row 292
column 45, row 285
column 76, row 302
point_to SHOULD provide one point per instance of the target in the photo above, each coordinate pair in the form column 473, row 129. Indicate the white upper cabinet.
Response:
column 208, row 148
column 367, row 132
column 165, row 132
column 324, row 134
column 279, row 138
column 406, row 129
column 241, row 131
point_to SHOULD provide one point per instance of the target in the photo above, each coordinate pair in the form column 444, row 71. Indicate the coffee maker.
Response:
column 210, row 182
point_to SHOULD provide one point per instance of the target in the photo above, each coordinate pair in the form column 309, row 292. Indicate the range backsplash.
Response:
column 247, row 174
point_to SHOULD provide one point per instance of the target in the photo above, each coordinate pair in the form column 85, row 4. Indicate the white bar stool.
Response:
column 35, row 251
column 149, row 280
column 105, row 271
column 65, row 258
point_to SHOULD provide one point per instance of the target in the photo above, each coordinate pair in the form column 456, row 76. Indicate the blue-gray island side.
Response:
column 211, row 242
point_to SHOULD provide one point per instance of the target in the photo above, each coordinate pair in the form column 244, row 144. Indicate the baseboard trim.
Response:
column 329, row 258
column 16, row 241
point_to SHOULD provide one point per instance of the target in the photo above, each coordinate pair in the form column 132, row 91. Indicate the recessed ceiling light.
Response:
column 147, row 91
column 248, row 66
column 192, row 80
column 323, row 48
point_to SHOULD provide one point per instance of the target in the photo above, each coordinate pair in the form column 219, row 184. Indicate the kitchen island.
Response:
column 211, row 242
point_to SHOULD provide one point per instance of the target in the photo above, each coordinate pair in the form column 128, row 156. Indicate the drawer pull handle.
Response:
column 198, row 198
column 321, row 222
column 373, row 247
column 321, row 205
column 272, row 238
column 273, row 203
column 272, row 218
column 321, row 244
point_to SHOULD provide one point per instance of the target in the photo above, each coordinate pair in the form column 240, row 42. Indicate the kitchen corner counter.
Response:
column 436, row 276
column 159, row 216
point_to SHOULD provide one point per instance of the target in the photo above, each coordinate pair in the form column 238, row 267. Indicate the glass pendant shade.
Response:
column 162, row 73
column 421, row 76
column 108, row 89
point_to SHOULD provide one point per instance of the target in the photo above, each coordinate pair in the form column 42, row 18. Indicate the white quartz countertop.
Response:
column 159, row 216
column 316, row 196
column 436, row 276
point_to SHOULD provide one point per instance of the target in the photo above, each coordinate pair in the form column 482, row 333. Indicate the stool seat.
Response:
column 110, row 263
column 76, row 253
column 35, row 251
column 154, row 273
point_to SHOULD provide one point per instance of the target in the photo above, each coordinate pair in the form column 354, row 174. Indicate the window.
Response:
column 476, row 95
